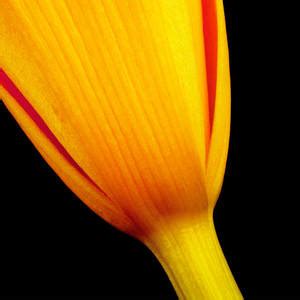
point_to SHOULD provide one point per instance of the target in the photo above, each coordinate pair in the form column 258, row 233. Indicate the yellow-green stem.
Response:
column 191, row 255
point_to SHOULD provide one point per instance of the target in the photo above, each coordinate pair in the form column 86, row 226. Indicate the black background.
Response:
column 53, row 245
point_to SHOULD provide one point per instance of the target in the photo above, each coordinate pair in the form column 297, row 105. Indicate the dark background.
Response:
column 53, row 245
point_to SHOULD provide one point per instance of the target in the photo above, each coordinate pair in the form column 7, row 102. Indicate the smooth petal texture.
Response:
column 136, row 92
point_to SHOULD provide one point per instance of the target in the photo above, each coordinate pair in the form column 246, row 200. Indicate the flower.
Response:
column 129, row 103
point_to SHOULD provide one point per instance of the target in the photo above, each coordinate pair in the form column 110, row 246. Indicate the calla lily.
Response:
column 129, row 103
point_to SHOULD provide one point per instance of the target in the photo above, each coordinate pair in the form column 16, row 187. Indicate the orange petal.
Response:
column 119, row 86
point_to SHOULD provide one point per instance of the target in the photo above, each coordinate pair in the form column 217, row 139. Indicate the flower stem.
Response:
column 191, row 255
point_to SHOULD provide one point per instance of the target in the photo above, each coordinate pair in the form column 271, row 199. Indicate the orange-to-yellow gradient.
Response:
column 129, row 102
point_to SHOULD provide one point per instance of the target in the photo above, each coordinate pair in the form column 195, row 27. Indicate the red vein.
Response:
column 211, row 47
column 12, row 89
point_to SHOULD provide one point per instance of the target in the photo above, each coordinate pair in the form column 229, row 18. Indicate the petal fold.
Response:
column 218, row 148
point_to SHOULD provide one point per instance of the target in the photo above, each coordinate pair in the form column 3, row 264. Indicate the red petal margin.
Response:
column 211, row 47
column 12, row 89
